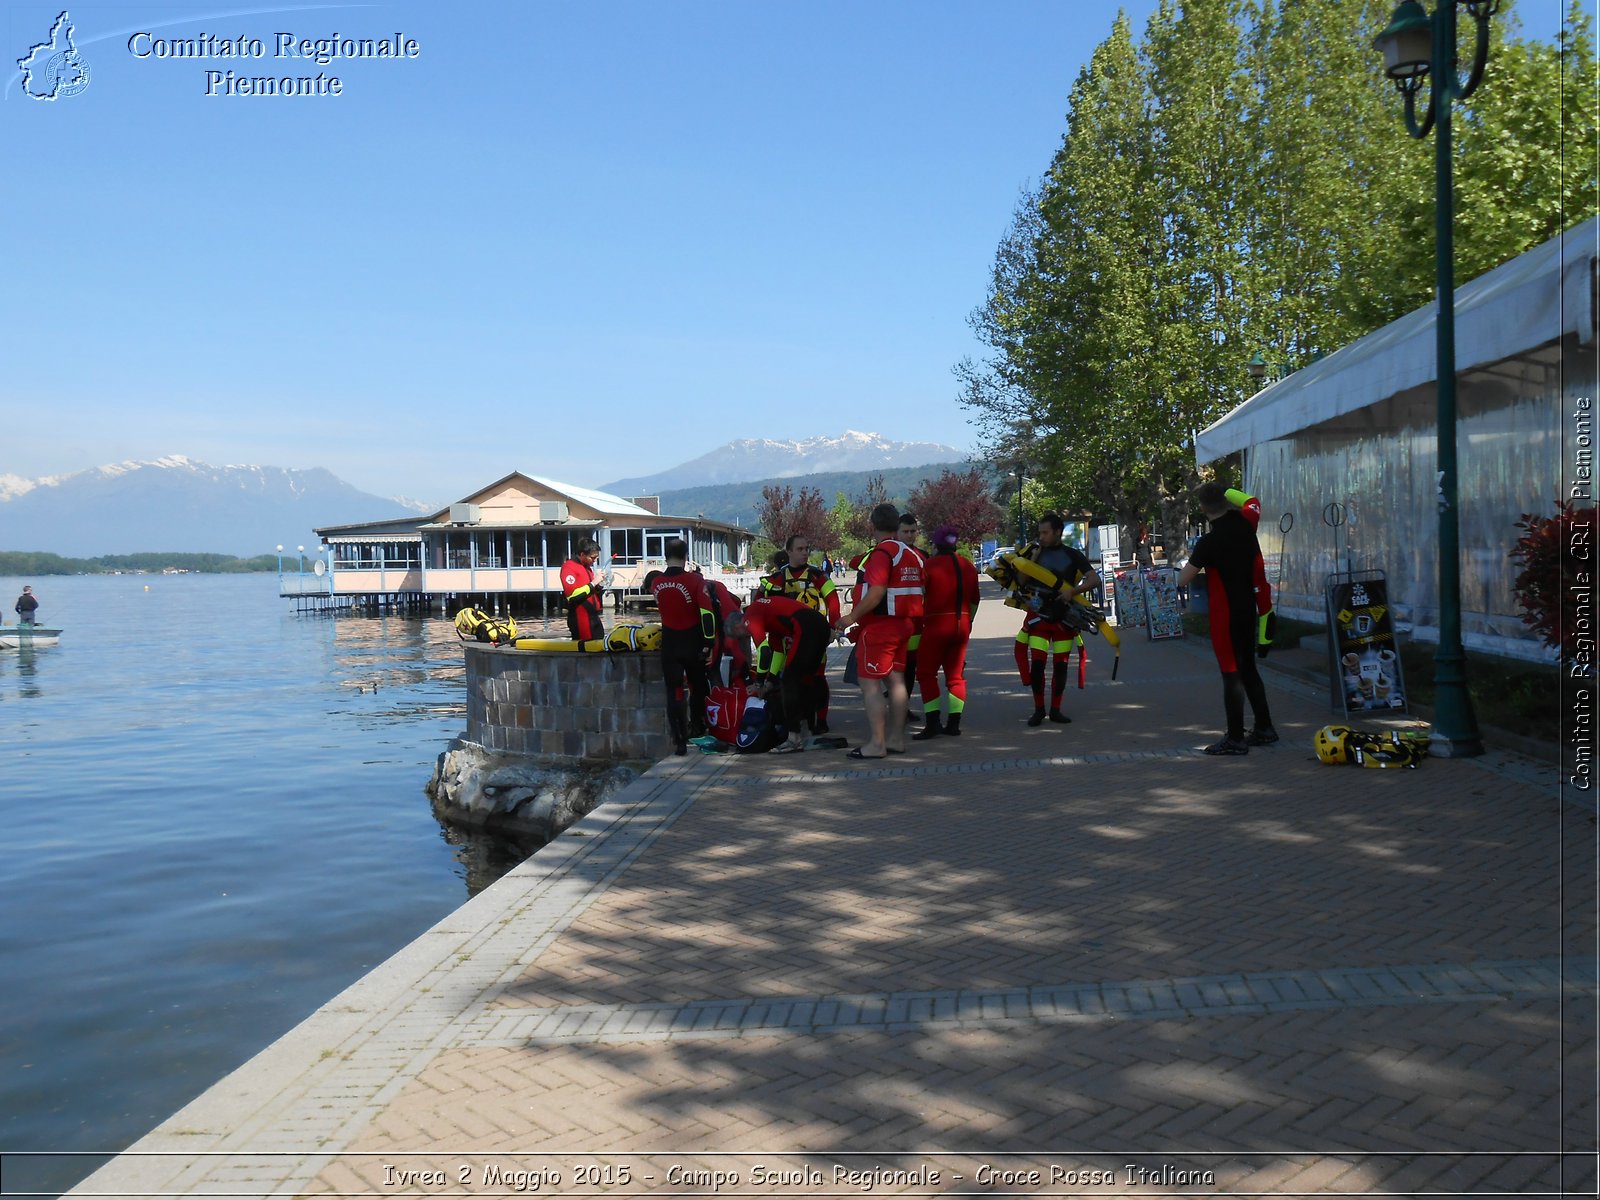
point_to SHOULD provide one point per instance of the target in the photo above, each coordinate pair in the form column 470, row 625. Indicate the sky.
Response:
column 580, row 240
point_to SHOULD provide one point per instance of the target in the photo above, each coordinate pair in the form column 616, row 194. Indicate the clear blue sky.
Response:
column 583, row 240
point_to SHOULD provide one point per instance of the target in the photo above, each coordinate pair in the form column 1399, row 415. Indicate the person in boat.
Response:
column 27, row 606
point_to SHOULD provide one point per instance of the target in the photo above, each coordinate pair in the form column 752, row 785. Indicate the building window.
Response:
column 627, row 547
column 376, row 556
column 527, row 548
column 489, row 548
column 655, row 541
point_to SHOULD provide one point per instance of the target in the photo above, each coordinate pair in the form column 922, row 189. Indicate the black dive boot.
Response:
column 952, row 725
column 931, row 730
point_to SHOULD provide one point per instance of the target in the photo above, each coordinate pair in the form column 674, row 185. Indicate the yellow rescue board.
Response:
column 593, row 646
column 1023, row 575
column 622, row 639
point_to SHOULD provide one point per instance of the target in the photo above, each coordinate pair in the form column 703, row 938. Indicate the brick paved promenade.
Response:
column 1051, row 952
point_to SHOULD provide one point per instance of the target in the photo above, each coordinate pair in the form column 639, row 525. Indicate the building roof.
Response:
column 605, row 502
column 1535, row 299
column 602, row 502
column 395, row 529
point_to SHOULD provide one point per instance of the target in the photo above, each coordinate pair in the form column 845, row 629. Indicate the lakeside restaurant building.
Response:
column 1358, row 429
column 502, row 547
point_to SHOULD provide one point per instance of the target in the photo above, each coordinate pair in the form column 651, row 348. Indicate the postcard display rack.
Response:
column 1363, row 656
column 1150, row 598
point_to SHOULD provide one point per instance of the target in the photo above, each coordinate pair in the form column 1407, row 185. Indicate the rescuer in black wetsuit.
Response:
column 1228, row 554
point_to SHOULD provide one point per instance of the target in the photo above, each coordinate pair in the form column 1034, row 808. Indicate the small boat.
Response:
column 15, row 637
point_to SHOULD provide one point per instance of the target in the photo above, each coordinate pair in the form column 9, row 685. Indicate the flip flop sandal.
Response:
column 892, row 750
column 786, row 748
column 856, row 753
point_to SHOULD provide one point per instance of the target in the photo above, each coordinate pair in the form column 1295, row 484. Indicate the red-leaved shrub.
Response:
column 1554, row 554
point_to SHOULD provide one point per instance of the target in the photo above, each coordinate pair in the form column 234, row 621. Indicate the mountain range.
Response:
column 178, row 503
column 760, row 459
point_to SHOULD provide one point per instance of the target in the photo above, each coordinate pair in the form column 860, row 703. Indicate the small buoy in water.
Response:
column 147, row 587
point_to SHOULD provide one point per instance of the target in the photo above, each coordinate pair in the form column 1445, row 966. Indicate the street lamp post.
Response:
column 1261, row 367
column 280, row 568
column 302, row 551
column 1414, row 47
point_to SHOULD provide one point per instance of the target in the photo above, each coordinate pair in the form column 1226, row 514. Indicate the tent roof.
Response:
column 1536, row 298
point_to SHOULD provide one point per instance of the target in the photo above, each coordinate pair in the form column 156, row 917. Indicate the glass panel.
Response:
column 655, row 541
column 527, row 548
column 489, row 547
column 627, row 547
column 1380, row 463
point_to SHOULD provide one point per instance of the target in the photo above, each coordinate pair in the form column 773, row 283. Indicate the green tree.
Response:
column 1242, row 181
column 1525, row 143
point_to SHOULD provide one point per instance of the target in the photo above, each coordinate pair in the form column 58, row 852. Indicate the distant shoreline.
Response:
column 40, row 563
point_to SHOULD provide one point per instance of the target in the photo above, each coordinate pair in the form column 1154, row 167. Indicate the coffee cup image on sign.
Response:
column 1362, row 624
column 1386, row 661
column 1352, row 663
column 1384, row 687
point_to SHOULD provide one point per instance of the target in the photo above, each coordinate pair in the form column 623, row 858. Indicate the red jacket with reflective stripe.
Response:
column 897, row 567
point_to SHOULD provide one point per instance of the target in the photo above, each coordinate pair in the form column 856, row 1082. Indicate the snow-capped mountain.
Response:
column 760, row 458
column 179, row 503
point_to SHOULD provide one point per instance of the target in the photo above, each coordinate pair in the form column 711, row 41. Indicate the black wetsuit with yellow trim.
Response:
column 1041, row 640
column 813, row 588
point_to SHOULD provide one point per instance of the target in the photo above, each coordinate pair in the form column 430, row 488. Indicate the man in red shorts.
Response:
column 892, row 578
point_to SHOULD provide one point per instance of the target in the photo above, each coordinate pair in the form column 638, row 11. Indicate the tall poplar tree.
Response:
column 1243, row 181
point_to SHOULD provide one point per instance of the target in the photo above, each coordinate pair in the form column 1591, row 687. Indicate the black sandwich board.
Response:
column 1363, row 656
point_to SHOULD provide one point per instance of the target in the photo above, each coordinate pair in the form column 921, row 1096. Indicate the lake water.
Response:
column 213, row 819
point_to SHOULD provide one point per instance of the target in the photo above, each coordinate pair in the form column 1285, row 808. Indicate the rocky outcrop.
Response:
column 518, row 795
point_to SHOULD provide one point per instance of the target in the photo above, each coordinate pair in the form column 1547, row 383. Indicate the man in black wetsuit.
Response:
column 1041, row 639
column 1228, row 553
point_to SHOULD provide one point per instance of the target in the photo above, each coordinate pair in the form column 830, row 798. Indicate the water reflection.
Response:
column 27, row 659
column 485, row 856
column 390, row 670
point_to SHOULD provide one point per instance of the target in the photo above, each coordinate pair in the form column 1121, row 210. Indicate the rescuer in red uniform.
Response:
column 688, row 629
column 582, row 592
column 891, row 597
column 777, row 625
column 814, row 588
column 949, row 604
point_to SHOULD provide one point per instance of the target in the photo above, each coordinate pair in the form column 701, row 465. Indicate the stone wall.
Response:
column 549, row 736
column 596, row 708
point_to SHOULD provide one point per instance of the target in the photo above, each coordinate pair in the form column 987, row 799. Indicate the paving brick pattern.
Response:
column 1060, row 950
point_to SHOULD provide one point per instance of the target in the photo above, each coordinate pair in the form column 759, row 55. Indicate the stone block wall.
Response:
column 602, row 708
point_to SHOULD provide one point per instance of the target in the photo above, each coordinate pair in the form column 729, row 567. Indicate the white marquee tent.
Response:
column 1357, row 428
